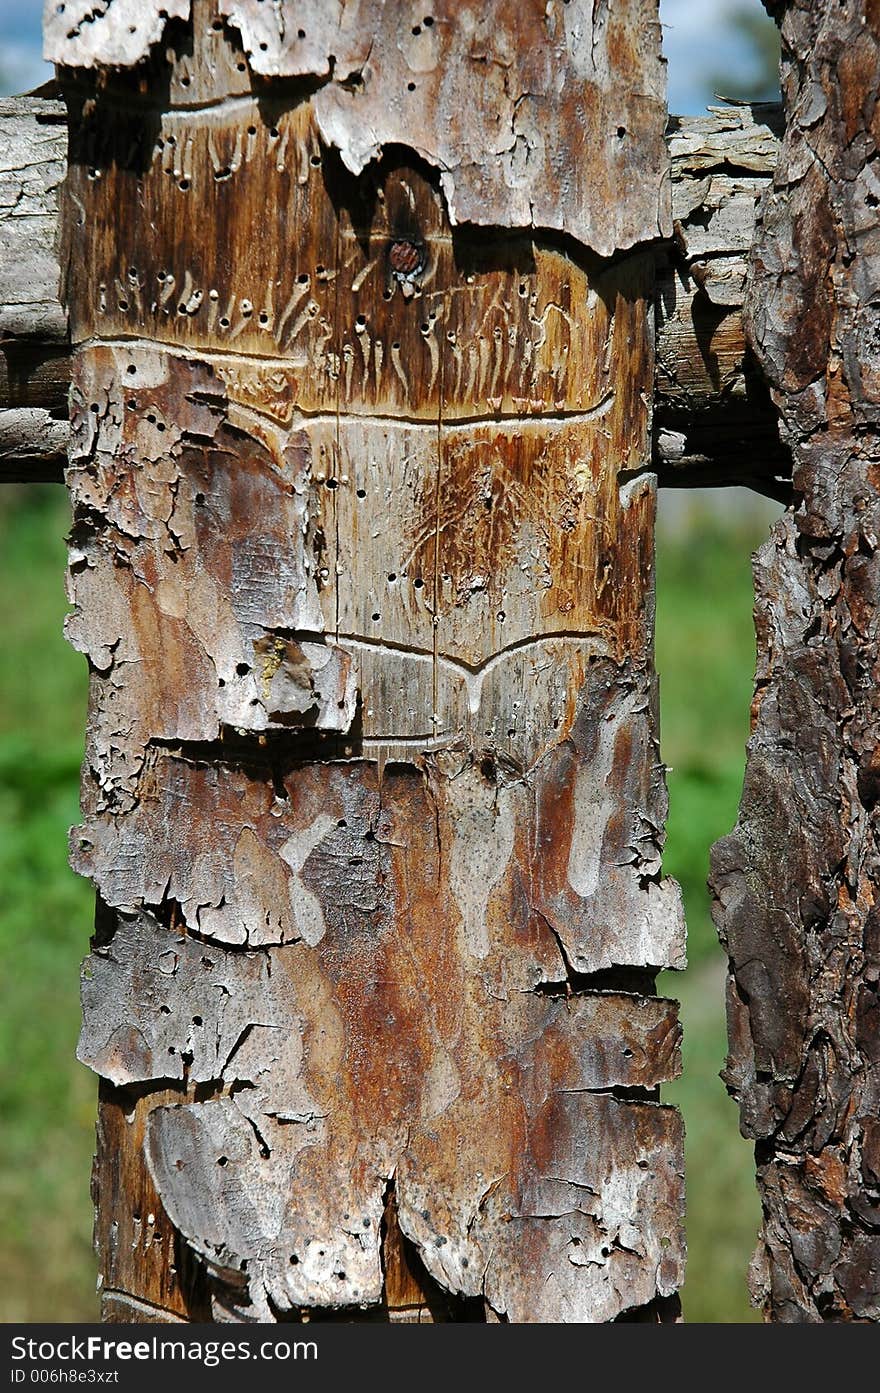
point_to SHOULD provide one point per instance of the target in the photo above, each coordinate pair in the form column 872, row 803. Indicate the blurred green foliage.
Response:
column 706, row 660
column 705, row 656
column 47, row 1100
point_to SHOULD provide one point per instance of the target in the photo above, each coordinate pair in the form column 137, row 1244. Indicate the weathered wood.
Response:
column 713, row 423
column 140, row 1250
column 362, row 560
column 32, row 140
column 34, row 351
column 586, row 85
column 33, row 445
column 796, row 882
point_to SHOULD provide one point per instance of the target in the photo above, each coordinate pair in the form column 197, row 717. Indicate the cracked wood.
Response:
column 362, row 562
column 34, row 349
column 713, row 419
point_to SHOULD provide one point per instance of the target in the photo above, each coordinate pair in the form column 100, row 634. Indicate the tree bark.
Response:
column 714, row 422
column 362, row 562
column 796, row 882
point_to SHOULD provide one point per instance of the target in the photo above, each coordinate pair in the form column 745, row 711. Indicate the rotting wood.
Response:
column 713, row 420
column 796, row 881
column 587, row 82
column 362, row 564
column 34, row 350
column 33, row 141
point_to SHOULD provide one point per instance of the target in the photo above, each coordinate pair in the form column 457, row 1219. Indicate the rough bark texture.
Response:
column 533, row 115
column 362, row 563
column 796, row 882
column 714, row 422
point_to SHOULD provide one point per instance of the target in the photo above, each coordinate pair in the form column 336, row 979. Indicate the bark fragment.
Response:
column 535, row 115
column 116, row 33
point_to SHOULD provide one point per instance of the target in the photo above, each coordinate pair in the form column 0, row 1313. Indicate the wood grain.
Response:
column 714, row 422
column 795, row 882
column 362, row 563
column 713, row 418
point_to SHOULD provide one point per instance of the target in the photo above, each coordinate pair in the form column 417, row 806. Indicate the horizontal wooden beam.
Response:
column 34, row 364
column 714, row 423
column 713, row 420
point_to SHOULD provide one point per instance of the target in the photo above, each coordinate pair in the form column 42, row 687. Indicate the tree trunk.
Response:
column 714, row 423
column 362, row 563
column 796, row 882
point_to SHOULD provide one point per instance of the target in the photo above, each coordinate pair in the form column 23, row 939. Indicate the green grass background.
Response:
column 705, row 650
column 705, row 654
column 47, row 1100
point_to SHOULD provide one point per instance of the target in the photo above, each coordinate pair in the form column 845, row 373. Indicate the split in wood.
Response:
column 714, row 422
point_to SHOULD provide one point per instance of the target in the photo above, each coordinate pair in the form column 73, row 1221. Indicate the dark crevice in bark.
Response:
column 664, row 1310
column 637, row 981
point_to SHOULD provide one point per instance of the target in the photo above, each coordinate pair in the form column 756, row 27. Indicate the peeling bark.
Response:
column 795, row 883
column 534, row 115
column 714, row 422
column 362, row 562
